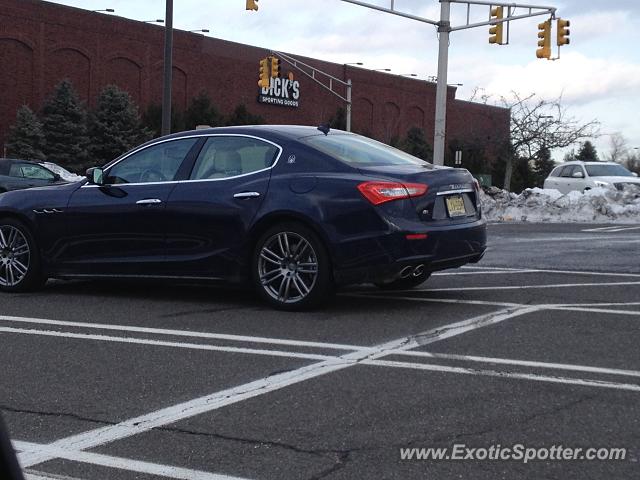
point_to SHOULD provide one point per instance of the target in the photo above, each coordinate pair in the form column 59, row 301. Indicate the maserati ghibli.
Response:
column 294, row 211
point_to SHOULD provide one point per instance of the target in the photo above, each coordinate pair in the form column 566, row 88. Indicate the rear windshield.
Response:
column 608, row 171
column 360, row 151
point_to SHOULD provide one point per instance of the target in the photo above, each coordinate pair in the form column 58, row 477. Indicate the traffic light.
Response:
column 265, row 73
column 562, row 32
column 275, row 67
column 544, row 40
column 252, row 4
column 495, row 31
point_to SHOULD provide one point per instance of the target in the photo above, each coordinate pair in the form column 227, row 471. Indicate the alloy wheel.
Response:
column 15, row 256
column 288, row 267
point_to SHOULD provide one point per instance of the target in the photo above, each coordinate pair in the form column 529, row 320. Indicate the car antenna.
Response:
column 324, row 128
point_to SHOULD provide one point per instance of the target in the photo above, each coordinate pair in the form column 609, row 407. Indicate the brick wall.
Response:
column 42, row 43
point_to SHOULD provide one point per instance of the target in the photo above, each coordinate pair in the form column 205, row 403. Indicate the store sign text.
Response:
column 281, row 91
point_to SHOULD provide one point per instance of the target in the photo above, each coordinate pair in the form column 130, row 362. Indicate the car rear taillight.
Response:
column 381, row 192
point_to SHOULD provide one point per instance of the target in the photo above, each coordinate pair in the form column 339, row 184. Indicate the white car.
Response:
column 583, row 176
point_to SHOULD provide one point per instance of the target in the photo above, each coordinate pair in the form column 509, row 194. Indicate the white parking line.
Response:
column 520, row 376
column 610, row 304
column 119, row 463
column 597, row 310
column 216, row 400
column 547, row 270
column 484, row 272
column 179, row 333
column 582, row 307
column 618, row 228
column 520, row 363
column 376, row 295
column 160, row 343
column 574, row 238
column 527, row 287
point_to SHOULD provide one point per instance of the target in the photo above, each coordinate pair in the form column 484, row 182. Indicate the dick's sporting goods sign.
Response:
column 281, row 91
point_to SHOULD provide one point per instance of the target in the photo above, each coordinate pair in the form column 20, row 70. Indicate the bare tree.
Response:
column 538, row 125
column 632, row 162
column 618, row 147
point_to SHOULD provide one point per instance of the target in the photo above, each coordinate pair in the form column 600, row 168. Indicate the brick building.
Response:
column 42, row 43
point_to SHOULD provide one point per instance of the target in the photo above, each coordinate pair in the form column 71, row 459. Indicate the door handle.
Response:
column 246, row 195
column 149, row 201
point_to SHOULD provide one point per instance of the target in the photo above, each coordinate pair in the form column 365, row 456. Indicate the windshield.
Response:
column 361, row 151
column 608, row 171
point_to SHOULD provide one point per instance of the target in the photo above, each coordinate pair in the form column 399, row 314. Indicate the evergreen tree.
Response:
column 26, row 138
column 542, row 167
column 201, row 111
column 64, row 120
column 339, row 121
column 152, row 120
column 242, row 116
column 416, row 144
column 587, row 152
column 114, row 126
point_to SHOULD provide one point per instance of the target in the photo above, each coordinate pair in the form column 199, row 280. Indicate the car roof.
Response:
column 580, row 162
column 289, row 131
column 18, row 160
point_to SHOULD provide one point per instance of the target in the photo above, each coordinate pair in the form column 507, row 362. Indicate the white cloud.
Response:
column 579, row 78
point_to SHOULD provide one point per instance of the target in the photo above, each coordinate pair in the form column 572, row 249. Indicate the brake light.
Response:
column 381, row 192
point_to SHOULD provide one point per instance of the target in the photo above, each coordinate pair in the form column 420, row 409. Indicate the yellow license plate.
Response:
column 455, row 206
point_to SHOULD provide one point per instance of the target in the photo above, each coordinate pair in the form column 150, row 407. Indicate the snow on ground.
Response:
column 599, row 205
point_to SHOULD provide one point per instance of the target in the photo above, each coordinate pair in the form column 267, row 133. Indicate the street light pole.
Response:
column 168, row 66
column 444, row 28
column 348, row 105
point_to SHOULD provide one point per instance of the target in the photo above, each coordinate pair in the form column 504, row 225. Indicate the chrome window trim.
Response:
column 170, row 182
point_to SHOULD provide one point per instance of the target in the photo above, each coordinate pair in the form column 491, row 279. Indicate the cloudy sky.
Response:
column 598, row 75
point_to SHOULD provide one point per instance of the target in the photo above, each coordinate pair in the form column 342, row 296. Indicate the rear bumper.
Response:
column 383, row 258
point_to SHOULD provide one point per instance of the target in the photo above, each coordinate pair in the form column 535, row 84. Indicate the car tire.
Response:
column 20, row 264
column 291, row 268
column 405, row 283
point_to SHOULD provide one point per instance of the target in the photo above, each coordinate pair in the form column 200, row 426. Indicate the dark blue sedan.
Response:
column 293, row 210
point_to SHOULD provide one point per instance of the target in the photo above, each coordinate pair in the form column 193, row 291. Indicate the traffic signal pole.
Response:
column 444, row 28
column 444, row 31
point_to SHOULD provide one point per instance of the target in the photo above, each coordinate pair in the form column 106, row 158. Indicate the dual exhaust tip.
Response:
column 412, row 271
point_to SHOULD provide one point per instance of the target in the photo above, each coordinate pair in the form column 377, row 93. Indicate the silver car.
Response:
column 583, row 176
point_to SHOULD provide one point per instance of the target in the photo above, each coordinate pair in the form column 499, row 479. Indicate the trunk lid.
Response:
column 451, row 198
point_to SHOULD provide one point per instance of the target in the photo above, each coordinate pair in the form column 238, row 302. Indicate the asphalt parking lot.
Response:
column 535, row 345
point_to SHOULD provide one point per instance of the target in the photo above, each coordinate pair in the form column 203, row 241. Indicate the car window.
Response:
column 225, row 157
column 37, row 172
column 567, row 171
column 157, row 163
column 361, row 151
column 608, row 171
column 25, row 170
column 556, row 172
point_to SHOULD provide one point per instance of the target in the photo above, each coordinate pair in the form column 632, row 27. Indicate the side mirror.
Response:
column 95, row 176
column 634, row 174
column 577, row 175
column 56, row 177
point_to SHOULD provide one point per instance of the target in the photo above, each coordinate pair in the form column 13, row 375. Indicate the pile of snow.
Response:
column 64, row 174
column 598, row 205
